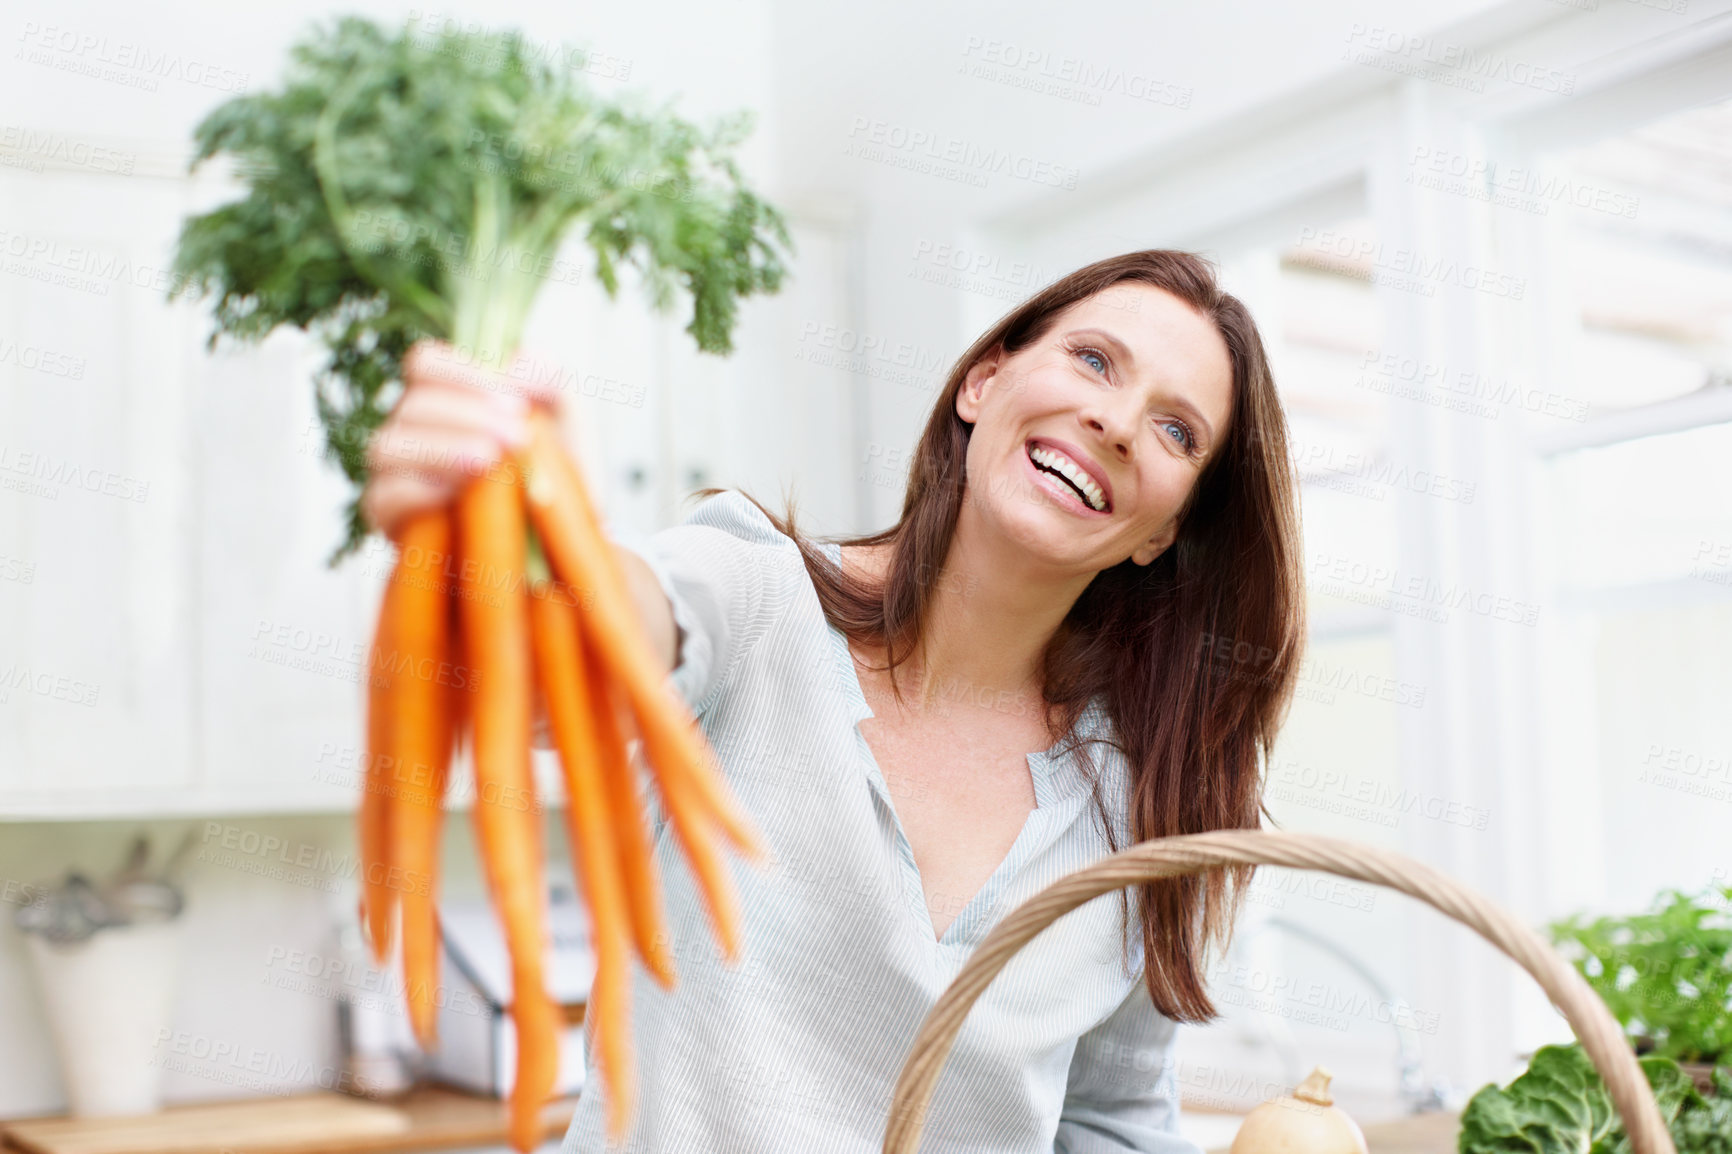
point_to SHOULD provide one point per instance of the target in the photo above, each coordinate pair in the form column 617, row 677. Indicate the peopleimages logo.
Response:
column 1405, row 269
column 51, row 362
column 79, row 267
column 1416, row 594
column 43, row 474
column 1447, row 62
column 1512, row 186
column 1066, row 77
column 1283, row 994
column 1312, row 459
column 16, row 678
column 1461, row 390
column 940, row 154
column 1366, row 799
column 34, row 149
column 122, row 61
column 430, row 30
column 871, row 355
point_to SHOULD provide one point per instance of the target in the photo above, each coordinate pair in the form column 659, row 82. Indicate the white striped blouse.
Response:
column 798, row 1046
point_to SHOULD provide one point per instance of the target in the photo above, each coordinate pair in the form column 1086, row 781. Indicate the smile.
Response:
column 1066, row 479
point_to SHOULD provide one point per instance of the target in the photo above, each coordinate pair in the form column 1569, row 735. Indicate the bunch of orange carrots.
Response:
column 541, row 608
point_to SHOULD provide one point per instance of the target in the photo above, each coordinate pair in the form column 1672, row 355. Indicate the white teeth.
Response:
column 1055, row 460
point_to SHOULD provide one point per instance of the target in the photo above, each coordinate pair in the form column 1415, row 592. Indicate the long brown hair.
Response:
column 1195, row 654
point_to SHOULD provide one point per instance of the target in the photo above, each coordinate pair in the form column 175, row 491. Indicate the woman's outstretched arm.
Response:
column 653, row 608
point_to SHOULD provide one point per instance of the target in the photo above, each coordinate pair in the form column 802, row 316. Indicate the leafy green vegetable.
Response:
column 1707, row 1130
column 1666, row 975
column 1559, row 1105
column 420, row 184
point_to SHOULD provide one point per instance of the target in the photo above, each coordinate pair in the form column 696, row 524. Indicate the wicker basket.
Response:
column 1599, row 1032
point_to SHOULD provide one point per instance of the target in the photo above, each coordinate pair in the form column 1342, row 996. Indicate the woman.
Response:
column 1082, row 632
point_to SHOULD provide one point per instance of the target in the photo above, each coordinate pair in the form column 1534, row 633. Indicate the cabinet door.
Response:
column 170, row 639
column 284, row 639
column 97, row 597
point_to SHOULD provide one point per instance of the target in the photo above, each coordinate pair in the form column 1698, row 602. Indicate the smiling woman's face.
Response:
column 1130, row 387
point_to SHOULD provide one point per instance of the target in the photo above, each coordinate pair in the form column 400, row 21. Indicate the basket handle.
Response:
column 1599, row 1032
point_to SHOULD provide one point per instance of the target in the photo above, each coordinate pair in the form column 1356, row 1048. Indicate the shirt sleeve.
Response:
column 1123, row 1090
column 726, row 572
column 716, row 569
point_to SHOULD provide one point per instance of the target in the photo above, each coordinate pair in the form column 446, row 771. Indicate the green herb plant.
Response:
column 1666, row 975
column 420, row 184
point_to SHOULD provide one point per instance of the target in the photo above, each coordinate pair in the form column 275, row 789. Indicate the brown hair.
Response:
column 1166, row 645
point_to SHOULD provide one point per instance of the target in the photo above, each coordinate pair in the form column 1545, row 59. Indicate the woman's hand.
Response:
column 454, row 421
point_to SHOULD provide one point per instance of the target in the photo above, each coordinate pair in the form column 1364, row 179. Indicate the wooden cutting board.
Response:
column 426, row 1119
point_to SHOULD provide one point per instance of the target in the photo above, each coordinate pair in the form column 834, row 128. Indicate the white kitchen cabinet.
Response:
column 98, row 606
column 283, row 639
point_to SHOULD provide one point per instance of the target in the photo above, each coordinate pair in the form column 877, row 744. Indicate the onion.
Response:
column 1307, row 1123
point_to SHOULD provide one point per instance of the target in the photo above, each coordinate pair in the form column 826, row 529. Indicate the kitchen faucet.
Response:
column 1420, row 1095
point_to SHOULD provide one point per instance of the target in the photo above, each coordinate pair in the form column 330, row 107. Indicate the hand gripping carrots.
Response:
column 538, row 606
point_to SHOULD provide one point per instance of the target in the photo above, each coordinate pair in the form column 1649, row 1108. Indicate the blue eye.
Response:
column 1097, row 356
column 1184, row 437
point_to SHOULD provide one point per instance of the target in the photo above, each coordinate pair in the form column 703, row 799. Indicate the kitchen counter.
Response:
column 1434, row 1133
column 428, row 1118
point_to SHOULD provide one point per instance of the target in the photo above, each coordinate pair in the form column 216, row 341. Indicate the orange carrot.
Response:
column 708, row 868
column 384, row 688
column 631, row 831
column 692, row 792
column 583, row 557
column 374, row 834
column 427, row 677
column 560, row 667
column 495, row 632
